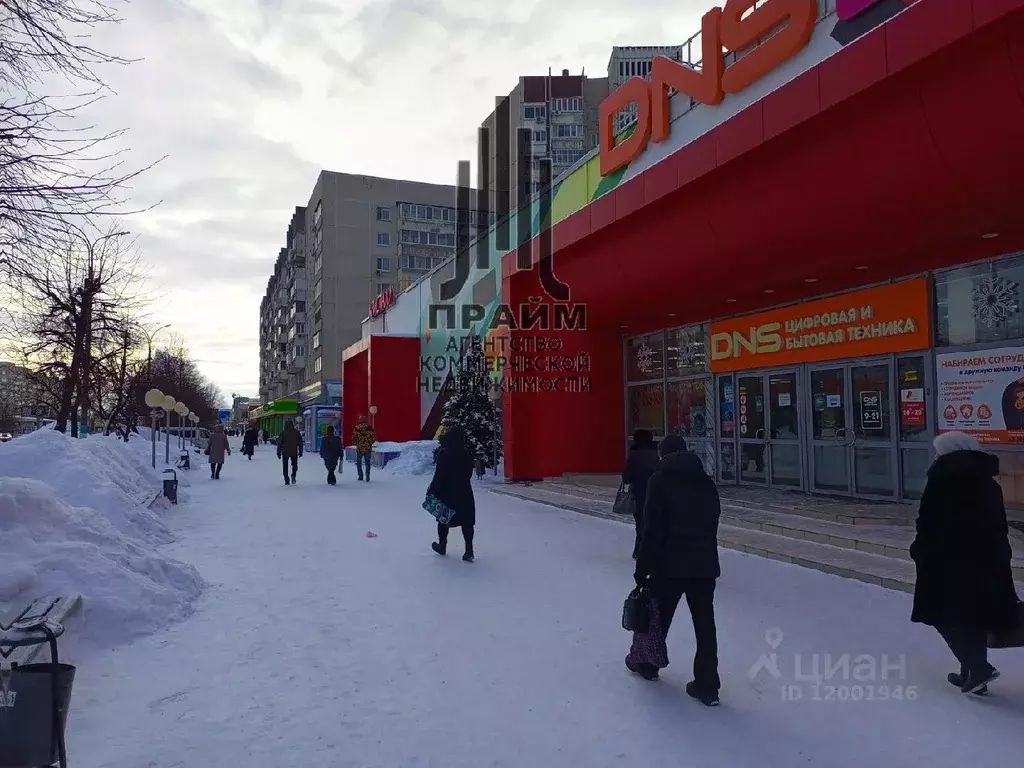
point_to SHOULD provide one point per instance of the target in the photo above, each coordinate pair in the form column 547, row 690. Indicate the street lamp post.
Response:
column 149, row 353
column 373, row 416
column 155, row 400
column 182, row 410
column 169, row 404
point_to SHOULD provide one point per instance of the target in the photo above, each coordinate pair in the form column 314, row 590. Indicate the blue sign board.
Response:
column 224, row 415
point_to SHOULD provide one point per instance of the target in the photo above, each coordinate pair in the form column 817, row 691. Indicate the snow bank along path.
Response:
column 316, row 645
column 76, row 518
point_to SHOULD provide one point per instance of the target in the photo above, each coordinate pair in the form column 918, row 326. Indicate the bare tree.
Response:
column 52, row 168
column 70, row 302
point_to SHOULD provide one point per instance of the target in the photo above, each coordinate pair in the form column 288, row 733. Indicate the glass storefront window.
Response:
column 645, row 358
column 689, row 411
column 726, row 407
column 686, row 351
column 980, row 303
column 647, row 408
column 913, row 413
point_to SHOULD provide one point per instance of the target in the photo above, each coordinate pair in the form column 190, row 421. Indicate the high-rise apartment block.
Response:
column 635, row 61
column 357, row 237
column 560, row 112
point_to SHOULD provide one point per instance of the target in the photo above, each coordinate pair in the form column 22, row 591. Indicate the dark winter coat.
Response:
column 453, row 475
column 331, row 450
column 249, row 440
column 641, row 463
column 962, row 549
column 289, row 442
column 680, row 528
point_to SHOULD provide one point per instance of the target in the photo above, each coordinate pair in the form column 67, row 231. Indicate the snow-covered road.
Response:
column 318, row 646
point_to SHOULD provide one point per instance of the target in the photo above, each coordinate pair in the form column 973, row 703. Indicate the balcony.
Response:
column 297, row 363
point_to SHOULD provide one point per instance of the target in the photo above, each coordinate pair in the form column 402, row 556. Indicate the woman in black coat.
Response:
column 641, row 463
column 331, row 451
column 452, row 486
column 962, row 552
column 249, row 440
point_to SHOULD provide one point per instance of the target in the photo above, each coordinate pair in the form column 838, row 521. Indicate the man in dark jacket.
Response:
column 330, row 452
column 640, row 465
column 452, row 486
column 963, row 556
column 288, row 444
column 679, row 556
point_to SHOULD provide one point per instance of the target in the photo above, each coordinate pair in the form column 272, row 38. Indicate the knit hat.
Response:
column 671, row 444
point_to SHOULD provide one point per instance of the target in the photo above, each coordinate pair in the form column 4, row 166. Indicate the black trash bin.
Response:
column 31, row 727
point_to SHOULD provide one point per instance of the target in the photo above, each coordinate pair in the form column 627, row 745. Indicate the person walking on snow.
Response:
column 217, row 449
column 363, row 436
column 288, row 444
column 249, row 441
column 452, row 486
column 330, row 452
column 962, row 553
column 640, row 465
column 679, row 556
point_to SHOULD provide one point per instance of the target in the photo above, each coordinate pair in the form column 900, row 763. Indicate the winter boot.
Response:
column 440, row 548
column 293, row 478
column 213, row 473
column 979, row 679
column 286, row 480
column 646, row 671
column 468, row 557
column 707, row 698
column 955, row 678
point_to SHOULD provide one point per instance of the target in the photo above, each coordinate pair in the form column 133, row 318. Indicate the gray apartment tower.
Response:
column 357, row 237
column 560, row 111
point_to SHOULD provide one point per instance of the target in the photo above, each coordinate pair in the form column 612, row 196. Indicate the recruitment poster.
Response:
column 982, row 393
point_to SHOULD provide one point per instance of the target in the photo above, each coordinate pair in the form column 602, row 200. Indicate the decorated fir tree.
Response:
column 470, row 406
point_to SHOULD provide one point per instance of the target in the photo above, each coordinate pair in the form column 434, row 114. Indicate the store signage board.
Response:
column 785, row 26
column 982, row 393
column 875, row 321
column 871, row 411
column 380, row 304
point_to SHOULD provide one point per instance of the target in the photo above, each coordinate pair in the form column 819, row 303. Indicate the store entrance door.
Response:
column 853, row 444
column 769, row 429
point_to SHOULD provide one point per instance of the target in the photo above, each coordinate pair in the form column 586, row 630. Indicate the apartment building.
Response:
column 560, row 111
column 283, row 325
column 628, row 61
column 357, row 237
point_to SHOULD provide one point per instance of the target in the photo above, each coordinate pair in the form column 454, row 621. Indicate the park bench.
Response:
column 58, row 609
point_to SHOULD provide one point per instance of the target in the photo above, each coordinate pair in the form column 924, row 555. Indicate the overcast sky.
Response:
column 249, row 99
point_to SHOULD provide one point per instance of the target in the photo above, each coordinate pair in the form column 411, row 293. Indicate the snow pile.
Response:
column 76, row 520
column 415, row 457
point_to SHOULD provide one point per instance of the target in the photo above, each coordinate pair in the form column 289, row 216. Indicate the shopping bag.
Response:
column 441, row 512
column 625, row 503
column 649, row 644
column 636, row 610
column 1009, row 638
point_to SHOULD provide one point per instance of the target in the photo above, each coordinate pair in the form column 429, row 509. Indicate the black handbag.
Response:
column 1009, row 638
column 636, row 613
column 625, row 502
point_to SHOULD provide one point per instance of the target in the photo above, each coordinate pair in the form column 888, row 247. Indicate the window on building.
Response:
column 316, row 340
column 622, row 69
column 383, row 213
column 980, row 303
column 383, row 238
column 382, row 287
column 317, row 289
column 318, row 214
column 318, row 365
column 540, row 136
column 383, row 264
column 568, row 131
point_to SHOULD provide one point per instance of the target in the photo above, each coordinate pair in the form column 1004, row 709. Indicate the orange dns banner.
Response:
column 876, row 321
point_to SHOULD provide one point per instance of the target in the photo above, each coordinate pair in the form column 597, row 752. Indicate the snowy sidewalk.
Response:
column 317, row 646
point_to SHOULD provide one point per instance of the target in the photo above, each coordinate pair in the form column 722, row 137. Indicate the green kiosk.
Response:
column 271, row 416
